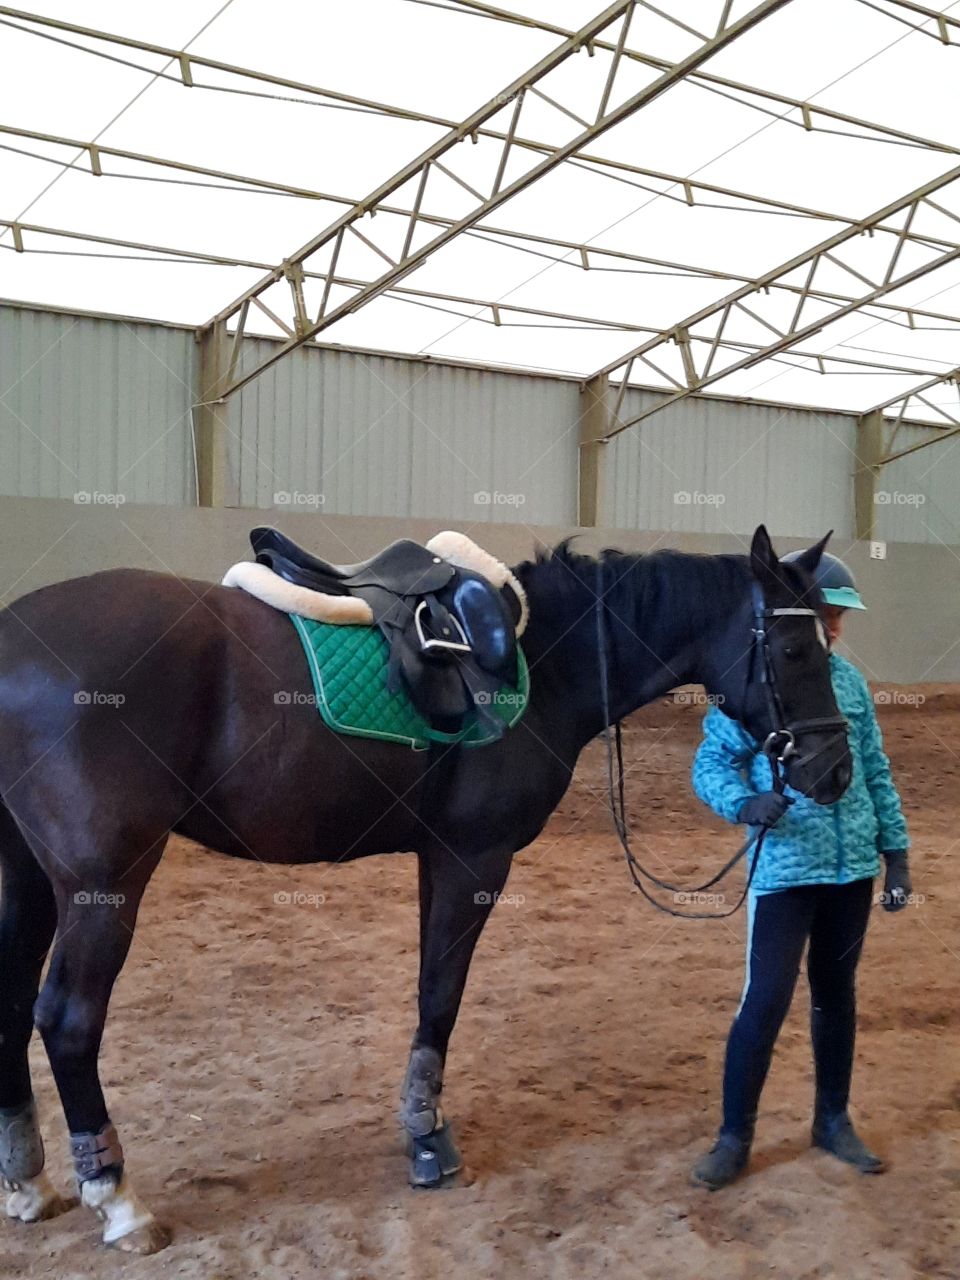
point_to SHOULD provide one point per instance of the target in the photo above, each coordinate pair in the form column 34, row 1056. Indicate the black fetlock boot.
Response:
column 836, row 1134
column 724, row 1162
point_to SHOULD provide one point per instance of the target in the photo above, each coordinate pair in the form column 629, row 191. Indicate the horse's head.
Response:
column 772, row 672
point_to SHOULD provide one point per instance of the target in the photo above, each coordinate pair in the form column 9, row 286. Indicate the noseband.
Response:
column 779, row 747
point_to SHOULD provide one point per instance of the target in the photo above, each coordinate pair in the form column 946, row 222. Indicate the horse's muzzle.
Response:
column 821, row 767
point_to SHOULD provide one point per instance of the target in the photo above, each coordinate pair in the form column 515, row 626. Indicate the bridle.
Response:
column 779, row 746
column 783, row 740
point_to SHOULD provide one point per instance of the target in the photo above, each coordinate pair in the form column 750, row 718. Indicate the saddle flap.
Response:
column 437, row 691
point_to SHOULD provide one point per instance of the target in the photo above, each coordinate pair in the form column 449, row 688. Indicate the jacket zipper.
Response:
column 836, row 825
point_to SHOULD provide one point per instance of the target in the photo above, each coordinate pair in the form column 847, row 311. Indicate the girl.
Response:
column 813, row 884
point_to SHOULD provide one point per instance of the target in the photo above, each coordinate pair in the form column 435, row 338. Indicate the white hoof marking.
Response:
column 33, row 1198
column 117, row 1205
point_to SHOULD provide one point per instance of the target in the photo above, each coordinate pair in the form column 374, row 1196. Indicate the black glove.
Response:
column 897, row 887
column 765, row 810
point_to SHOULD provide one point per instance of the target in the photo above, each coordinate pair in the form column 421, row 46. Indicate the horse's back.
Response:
column 195, row 700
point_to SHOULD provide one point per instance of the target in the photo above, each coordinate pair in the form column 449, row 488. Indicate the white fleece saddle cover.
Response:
column 456, row 548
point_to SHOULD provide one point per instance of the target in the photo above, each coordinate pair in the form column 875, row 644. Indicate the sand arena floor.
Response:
column 254, row 1053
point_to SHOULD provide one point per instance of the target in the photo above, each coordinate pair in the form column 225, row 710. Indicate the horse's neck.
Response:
column 643, row 663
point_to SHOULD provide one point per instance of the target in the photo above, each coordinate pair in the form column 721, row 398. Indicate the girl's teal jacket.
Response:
column 812, row 843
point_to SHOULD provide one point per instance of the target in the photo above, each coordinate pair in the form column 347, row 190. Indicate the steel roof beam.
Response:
column 425, row 297
column 584, row 251
column 808, row 110
column 726, row 307
column 943, row 20
column 187, row 61
column 410, row 258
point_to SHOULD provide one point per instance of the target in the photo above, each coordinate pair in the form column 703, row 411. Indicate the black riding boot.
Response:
column 724, row 1162
column 836, row 1134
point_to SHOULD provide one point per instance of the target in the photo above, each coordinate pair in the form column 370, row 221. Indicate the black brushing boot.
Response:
column 836, row 1134
column 724, row 1162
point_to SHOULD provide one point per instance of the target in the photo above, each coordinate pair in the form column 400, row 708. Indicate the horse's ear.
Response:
column 811, row 557
column 763, row 558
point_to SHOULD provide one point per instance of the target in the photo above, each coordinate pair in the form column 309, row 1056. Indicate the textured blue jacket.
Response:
column 812, row 843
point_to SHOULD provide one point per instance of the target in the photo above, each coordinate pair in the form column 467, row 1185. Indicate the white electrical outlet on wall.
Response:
column 878, row 551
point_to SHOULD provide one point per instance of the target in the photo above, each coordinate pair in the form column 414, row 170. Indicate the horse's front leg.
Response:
column 456, row 897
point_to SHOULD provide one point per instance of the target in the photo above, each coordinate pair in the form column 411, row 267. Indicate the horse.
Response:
column 135, row 704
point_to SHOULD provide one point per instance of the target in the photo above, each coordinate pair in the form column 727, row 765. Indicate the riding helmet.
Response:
column 834, row 579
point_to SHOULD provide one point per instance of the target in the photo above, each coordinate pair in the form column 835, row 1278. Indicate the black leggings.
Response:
column 834, row 919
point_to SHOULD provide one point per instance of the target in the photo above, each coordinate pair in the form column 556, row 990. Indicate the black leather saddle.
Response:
column 451, row 633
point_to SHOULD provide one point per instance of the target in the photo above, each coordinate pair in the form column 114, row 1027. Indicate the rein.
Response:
column 778, row 747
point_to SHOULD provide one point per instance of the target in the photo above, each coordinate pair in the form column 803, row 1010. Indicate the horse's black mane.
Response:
column 656, row 588
column 675, row 575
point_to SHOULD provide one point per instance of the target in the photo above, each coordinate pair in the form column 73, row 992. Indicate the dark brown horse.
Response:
column 134, row 704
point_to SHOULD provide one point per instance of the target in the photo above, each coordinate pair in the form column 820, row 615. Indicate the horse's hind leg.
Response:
column 95, row 930
column 28, row 917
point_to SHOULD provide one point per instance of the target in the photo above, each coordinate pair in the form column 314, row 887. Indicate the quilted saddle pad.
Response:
column 348, row 666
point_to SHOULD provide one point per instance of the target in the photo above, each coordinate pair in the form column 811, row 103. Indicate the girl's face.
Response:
column 832, row 616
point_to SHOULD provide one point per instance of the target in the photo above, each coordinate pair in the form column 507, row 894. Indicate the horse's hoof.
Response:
column 37, row 1200
column 150, row 1238
column 435, row 1159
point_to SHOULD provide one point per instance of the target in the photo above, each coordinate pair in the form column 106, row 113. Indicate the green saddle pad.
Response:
column 348, row 666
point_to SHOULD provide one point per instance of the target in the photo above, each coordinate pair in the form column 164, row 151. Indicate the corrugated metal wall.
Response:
column 96, row 407
column 101, row 406
column 357, row 434
column 918, row 497
column 713, row 467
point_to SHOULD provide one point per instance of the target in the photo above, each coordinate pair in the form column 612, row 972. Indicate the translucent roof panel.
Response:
column 754, row 200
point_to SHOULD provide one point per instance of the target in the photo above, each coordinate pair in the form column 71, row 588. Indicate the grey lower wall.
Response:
column 911, row 633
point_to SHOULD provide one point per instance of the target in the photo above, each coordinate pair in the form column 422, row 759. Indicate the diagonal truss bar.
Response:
column 945, row 431
column 953, row 375
column 922, row 444
column 724, row 307
column 562, row 152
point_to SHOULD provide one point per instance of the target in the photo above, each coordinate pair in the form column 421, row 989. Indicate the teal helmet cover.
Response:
column 834, row 579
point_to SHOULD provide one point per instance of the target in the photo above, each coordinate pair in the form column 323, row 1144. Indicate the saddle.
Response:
column 451, row 632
